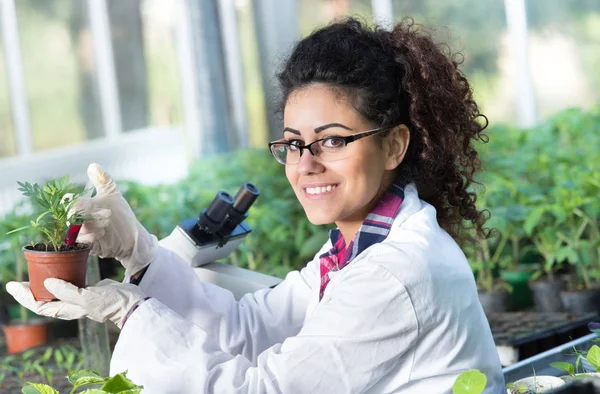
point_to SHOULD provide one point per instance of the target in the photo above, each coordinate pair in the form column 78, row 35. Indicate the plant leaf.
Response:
column 119, row 383
column 87, row 380
column 593, row 356
column 47, row 354
column 469, row 382
column 534, row 218
column 73, row 377
column 17, row 229
column 563, row 366
column 38, row 388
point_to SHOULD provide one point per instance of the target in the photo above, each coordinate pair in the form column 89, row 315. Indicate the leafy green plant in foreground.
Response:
column 117, row 384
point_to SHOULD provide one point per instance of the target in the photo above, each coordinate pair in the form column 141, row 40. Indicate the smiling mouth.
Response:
column 319, row 190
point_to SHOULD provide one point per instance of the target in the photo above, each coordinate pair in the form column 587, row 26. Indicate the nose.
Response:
column 309, row 164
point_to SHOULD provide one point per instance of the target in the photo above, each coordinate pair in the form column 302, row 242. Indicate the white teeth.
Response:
column 319, row 190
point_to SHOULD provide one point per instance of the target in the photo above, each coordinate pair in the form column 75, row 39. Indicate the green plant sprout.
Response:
column 517, row 388
column 592, row 356
column 56, row 199
column 117, row 384
column 68, row 358
column 46, row 365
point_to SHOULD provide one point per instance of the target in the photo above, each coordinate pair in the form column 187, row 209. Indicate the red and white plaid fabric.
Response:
column 374, row 229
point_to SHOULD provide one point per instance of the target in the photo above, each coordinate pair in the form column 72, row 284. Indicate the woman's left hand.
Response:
column 107, row 300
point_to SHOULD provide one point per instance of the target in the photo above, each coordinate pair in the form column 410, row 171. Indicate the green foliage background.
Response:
column 541, row 186
column 535, row 183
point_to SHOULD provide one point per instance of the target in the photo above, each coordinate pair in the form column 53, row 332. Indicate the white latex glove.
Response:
column 114, row 231
column 107, row 300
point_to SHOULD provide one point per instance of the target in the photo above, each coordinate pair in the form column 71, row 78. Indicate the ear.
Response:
column 397, row 141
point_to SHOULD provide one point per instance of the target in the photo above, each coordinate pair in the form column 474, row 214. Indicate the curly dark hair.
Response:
column 403, row 77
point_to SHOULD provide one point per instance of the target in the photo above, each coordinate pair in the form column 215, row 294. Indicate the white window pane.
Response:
column 476, row 28
column 146, row 62
column 159, row 19
column 255, row 99
column 58, row 66
column 8, row 146
column 565, row 53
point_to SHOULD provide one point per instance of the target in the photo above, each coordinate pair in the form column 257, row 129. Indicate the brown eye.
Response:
column 333, row 143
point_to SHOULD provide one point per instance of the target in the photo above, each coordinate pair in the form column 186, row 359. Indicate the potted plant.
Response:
column 509, row 215
column 580, row 234
column 507, row 193
column 542, row 227
column 22, row 329
column 484, row 258
column 535, row 385
column 53, row 252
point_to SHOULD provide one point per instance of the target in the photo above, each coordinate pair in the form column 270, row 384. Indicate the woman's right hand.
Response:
column 113, row 229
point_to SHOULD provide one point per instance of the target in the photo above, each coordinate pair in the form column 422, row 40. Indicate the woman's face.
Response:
column 342, row 191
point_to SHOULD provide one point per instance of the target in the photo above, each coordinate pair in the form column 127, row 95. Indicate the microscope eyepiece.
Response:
column 224, row 214
column 212, row 218
column 219, row 206
column 245, row 197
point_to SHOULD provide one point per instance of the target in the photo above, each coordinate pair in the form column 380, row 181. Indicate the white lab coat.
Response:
column 402, row 317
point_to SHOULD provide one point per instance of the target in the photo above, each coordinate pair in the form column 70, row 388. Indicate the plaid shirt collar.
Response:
column 374, row 229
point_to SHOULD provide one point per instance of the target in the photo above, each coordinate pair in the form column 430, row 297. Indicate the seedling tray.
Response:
column 519, row 328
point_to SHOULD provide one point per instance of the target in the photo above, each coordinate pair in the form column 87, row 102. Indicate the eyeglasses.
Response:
column 327, row 149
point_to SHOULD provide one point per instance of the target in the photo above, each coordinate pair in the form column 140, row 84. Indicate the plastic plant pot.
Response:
column 69, row 266
column 521, row 293
column 536, row 384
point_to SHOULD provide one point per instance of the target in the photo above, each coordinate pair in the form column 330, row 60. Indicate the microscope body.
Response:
column 213, row 236
column 198, row 252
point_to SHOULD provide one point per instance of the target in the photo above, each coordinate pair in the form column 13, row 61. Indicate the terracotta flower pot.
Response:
column 69, row 266
column 20, row 337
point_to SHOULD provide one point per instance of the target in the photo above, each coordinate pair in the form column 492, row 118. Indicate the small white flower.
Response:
column 67, row 198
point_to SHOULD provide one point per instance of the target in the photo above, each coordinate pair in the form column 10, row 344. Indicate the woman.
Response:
column 378, row 139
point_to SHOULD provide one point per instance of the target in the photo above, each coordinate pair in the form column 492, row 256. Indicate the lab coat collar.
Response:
column 374, row 229
column 411, row 205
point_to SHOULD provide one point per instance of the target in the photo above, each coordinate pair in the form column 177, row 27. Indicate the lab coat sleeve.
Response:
column 245, row 327
column 351, row 341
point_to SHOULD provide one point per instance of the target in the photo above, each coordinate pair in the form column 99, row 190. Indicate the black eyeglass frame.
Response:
column 347, row 140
